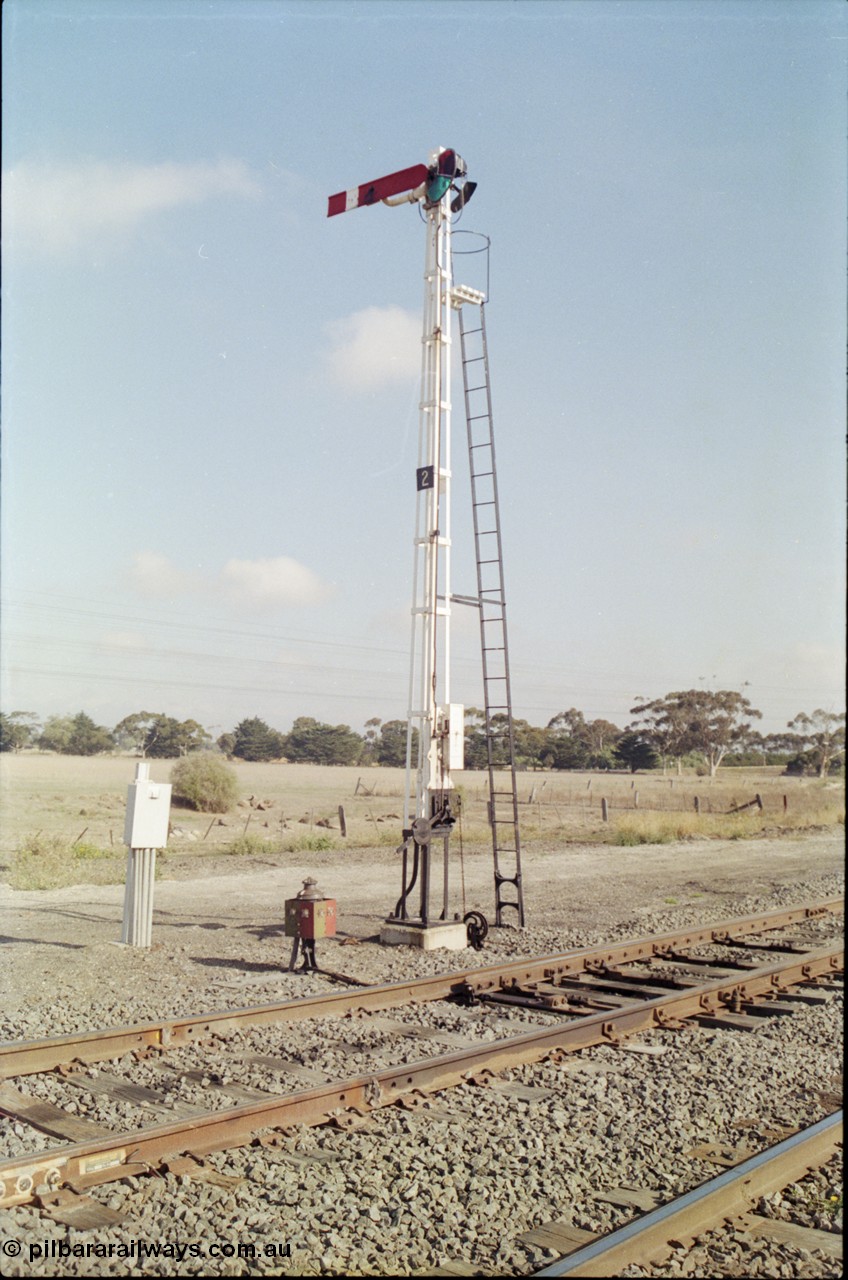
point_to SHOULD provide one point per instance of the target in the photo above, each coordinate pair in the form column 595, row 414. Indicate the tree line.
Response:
column 695, row 727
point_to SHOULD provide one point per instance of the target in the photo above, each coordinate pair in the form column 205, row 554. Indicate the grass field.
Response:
column 63, row 816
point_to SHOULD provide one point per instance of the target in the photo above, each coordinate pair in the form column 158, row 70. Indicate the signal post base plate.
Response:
column 451, row 935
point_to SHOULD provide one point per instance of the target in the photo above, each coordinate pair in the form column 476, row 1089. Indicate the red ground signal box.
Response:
column 310, row 918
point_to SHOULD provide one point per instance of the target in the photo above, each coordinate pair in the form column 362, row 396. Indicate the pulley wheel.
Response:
column 421, row 830
column 477, row 928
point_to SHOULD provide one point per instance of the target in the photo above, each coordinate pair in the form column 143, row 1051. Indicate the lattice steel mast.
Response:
column 434, row 724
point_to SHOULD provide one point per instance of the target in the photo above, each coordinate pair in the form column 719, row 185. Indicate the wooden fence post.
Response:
column 342, row 823
column 604, row 809
column 697, row 805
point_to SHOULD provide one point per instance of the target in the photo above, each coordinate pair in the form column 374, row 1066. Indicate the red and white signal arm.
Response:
column 380, row 189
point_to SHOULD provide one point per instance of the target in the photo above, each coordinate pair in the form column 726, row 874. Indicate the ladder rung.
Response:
column 502, row 804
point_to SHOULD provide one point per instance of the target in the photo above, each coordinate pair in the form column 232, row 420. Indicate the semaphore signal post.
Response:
column 435, row 723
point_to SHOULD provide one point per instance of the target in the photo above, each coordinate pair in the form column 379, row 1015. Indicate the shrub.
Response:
column 309, row 844
column 250, row 845
column 49, row 862
column 87, row 850
column 204, row 782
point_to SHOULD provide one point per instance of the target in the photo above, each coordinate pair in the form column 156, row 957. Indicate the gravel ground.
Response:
column 463, row 1178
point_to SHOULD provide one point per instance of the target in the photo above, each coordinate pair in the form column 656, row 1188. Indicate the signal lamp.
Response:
column 463, row 195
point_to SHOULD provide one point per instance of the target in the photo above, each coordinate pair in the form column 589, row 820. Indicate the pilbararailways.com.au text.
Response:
column 140, row 1250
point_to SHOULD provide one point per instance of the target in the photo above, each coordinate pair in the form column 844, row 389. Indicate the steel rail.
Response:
column 728, row 1195
column 30, row 1056
column 120, row 1155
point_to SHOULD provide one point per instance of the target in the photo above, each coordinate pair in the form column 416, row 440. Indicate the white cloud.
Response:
column 155, row 575
column 374, row 347
column 54, row 206
column 251, row 583
column 278, row 581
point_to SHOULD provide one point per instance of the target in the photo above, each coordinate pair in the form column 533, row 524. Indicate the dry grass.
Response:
column 48, row 862
column 53, row 805
column 653, row 809
column 812, row 810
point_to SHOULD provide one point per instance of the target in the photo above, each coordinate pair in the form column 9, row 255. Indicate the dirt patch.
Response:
column 218, row 937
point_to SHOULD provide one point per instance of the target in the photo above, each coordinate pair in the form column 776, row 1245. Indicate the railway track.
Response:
column 730, row 1198
column 166, row 1097
column 501, row 982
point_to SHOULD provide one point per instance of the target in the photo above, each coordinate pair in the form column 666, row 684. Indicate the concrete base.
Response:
column 453, row 935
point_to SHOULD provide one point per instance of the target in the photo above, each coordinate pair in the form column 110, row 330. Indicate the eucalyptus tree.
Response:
column 821, row 737
column 700, row 721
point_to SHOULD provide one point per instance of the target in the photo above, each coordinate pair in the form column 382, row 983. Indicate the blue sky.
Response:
column 210, row 390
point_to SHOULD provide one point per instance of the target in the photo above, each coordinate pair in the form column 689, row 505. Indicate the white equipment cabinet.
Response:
column 145, row 831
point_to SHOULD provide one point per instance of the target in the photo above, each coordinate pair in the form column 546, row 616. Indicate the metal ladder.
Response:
column 500, row 744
